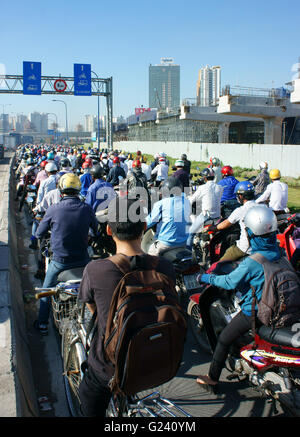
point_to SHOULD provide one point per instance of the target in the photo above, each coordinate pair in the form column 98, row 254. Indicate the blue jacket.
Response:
column 229, row 184
column 172, row 216
column 86, row 180
column 100, row 192
column 69, row 222
column 114, row 173
column 249, row 272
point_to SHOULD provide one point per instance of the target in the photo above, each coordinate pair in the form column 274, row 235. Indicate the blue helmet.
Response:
column 244, row 187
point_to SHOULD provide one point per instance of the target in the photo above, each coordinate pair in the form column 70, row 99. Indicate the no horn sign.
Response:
column 60, row 85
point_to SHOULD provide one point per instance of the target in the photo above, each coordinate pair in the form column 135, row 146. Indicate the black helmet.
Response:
column 208, row 173
column 97, row 171
column 65, row 162
column 170, row 184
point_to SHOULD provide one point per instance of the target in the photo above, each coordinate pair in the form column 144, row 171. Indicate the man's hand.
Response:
column 203, row 278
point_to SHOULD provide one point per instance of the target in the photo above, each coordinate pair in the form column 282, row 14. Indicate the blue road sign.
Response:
column 82, row 80
column 32, row 78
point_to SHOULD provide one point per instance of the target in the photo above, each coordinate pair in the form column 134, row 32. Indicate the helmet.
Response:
column 227, row 170
column 215, row 161
column 261, row 220
column 245, row 188
column 116, row 160
column 50, row 167
column 104, row 155
column 179, row 163
column 275, row 174
column 85, row 165
column 162, row 159
column 65, row 163
column 263, row 164
column 208, row 173
column 136, row 164
column 50, row 155
column 29, row 161
column 183, row 156
column 89, row 161
column 69, row 183
column 171, row 183
column 138, row 153
column 97, row 171
column 43, row 164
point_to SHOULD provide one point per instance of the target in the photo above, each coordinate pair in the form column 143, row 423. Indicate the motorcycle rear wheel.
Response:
column 197, row 327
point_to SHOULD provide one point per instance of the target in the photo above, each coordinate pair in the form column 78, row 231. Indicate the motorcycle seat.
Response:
column 281, row 336
column 180, row 257
column 71, row 274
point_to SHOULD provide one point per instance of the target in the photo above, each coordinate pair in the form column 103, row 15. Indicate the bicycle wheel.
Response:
column 73, row 357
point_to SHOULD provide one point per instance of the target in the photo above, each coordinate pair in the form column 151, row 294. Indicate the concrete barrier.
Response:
column 284, row 157
column 17, row 392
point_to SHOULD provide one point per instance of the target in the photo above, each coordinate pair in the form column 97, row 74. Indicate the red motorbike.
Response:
column 270, row 361
column 287, row 240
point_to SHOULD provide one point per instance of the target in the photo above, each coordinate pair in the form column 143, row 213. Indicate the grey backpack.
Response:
column 280, row 302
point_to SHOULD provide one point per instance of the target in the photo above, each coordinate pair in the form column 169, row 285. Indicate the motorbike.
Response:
column 30, row 198
column 186, row 268
column 269, row 358
column 287, row 241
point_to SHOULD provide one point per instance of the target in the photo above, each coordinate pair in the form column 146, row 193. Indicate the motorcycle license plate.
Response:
column 190, row 282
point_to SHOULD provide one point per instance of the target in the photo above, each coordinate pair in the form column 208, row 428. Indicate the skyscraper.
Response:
column 164, row 84
column 208, row 86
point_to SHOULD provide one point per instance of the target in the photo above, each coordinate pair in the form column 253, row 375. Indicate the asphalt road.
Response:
column 234, row 399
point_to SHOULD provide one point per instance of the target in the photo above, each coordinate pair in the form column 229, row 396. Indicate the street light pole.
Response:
column 54, row 100
column 98, row 124
column 52, row 113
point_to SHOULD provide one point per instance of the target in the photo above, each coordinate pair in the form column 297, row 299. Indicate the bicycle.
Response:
column 77, row 333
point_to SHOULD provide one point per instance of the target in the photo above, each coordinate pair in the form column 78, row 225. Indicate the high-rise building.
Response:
column 90, row 123
column 39, row 122
column 208, row 86
column 164, row 84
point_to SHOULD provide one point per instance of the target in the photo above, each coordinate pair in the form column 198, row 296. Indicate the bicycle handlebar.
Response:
column 47, row 293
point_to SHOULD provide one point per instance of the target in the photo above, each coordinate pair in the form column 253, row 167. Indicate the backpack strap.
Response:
column 259, row 258
column 254, row 300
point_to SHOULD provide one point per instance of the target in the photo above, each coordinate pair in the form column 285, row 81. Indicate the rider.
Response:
column 261, row 228
column 228, row 199
column 116, row 173
column 187, row 163
column 69, row 221
column 160, row 172
column 171, row 216
column 208, row 202
column 245, row 195
column 100, row 192
column 262, row 180
column 94, row 389
column 49, row 183
column 276, row 193
column 85, row 178
column 181, row 173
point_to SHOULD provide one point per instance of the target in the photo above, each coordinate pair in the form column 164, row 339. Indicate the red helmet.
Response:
column 227, row 170
column 136, row 163
column 85, row 165
column 138, row 153
column 43, row 164
column 89, row 161
column 116, row 160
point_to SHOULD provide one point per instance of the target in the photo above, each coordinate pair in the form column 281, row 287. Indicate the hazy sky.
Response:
column 256, row 43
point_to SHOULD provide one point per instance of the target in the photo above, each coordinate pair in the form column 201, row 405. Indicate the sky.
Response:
column 256, row 44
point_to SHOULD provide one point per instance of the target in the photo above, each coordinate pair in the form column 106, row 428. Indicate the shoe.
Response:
column 41, row 327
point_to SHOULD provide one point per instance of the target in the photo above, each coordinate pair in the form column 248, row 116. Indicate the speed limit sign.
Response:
column 60, row 85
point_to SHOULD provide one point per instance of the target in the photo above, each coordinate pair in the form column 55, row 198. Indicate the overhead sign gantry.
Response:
column 80, row 84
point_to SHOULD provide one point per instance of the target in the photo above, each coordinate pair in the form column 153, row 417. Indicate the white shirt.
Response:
column 51, row 198
column 45, row 186
column 277, row 193
column 238, row 216
column 208, row 199
column 161, row 170
column 146, row 169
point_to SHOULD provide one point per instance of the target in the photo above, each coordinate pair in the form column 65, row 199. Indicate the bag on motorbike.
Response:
column 280, row 302
column 146, row 328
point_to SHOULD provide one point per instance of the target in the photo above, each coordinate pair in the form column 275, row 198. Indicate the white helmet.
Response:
column 263, row 165
column 261, row 220
column 50, row 167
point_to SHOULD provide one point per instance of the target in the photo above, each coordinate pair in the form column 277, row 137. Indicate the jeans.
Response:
column 50, row 280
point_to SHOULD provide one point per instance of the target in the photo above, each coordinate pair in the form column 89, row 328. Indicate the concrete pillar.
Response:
column 223, row 133
column 273, row 130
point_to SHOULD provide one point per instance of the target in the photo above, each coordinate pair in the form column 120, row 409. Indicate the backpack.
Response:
column 146, row 328
column 280, row 302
